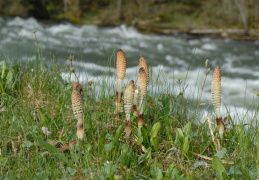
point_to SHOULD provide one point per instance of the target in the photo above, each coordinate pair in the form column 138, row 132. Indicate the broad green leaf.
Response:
column 157, row 164
column 109, row 136
column 125, row 148
column 175, row 174
column 186, row 145
column 156, row 173
column 154, row 143
column 53, row 150
column 27, row 144
column 197, row 164
column 146, row 139
column 193, row 134
column 168, row 133
column 221, row 153
column 101, row 143
column 118, row 134
column 234, row 171
column 190, row 177
column 140, row 140
column 71, row 171
column 108, row 147
column 253, row 173
column 218, row 166
column 187, row 128
column 145, row 156
column 179, row 135
column 108, row 169
column 153, row 135
column 170, row 170
column 155, row 129
column 179, row 132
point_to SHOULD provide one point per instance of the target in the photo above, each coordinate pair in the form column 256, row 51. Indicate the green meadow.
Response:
column 38, row 132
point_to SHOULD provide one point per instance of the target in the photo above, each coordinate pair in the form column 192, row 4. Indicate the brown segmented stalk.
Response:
column 122, row 103
column 142, row 82
column 128, row 100
column 77, row 107
column 216, row 98
column 128, row 129
column 216, row 90
column 142, row 87
column 135, row 103
column 221, row 127
column 121, row 71
column 143, row 64
column 121, row 64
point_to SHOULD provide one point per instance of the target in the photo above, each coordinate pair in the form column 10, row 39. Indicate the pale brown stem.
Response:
column 128, row 129
column 118, row 96
column 221, row 127
column 212, row 135
column 209, row 158
column 141, row 116
column 135, row 102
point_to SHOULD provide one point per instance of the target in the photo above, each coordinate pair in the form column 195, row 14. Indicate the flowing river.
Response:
column 169, row 58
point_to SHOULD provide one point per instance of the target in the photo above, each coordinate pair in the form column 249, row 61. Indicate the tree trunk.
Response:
column 119, row 10
column 243, row 12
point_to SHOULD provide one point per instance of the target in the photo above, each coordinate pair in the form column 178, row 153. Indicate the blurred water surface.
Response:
column 169, row 57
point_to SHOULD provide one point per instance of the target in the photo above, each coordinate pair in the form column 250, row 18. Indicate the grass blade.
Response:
column 53, row 150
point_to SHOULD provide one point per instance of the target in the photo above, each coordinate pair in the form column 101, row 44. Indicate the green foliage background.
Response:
column 157, row 13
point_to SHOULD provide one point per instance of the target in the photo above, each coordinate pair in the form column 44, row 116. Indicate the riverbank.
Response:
column 217, row 19
column 169, row 56
column 164, row 29
column 38, row 132
column 238, row 34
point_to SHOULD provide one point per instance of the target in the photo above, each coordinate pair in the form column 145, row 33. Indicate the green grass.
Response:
column 35, row 96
